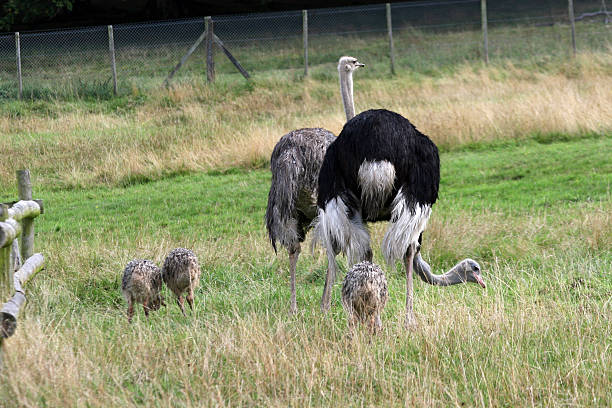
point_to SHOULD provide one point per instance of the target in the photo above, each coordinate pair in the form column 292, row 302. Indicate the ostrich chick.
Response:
column 142, row 283
column 364, row 295
column 181, row 272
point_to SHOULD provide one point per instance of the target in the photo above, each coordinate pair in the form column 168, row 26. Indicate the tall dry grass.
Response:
column 195, row 126
column 538, row 336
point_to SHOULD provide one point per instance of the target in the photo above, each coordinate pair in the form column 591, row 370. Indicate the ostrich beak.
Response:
column 359, row 64
column 480, row 280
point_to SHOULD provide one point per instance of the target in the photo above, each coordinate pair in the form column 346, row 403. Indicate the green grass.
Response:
column 536, row 215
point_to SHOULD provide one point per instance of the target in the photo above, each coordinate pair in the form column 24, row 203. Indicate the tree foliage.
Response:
column 16, row 12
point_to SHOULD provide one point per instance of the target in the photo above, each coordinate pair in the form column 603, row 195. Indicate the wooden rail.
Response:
column 17, row 221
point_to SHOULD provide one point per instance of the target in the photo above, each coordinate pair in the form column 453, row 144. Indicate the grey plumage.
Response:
column 292, row 201
column 364, row 295
column 181, row 273
column 142, row 283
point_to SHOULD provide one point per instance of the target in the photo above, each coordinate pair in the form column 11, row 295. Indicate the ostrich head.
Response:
column 469, row 271
column 348, row 64
column 157, row 302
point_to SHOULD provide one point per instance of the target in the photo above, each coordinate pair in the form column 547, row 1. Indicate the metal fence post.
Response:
column 18, row 50
column 570, row 5
column 111, row 48
column 210, row 62
column 390, row 32
column 305, row 39
column 485, row 36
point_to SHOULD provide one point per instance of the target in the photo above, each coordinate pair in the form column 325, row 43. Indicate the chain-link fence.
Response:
column 427, row 36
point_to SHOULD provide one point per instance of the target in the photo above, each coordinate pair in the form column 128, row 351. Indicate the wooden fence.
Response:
column 17, row 221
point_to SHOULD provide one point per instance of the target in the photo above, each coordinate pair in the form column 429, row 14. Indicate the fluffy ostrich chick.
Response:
column 181, row 273
column 364, row 295
column 142, row 282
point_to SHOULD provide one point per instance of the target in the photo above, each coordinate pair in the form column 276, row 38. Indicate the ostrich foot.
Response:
column 411, row 322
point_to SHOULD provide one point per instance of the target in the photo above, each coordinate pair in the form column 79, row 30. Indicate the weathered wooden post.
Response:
column 485, row 35
column 18, row 51
column 570, row 6
column 5, row 255
column 390, row 33
column 210, row 62
column 5, row 273
column 111, row 49
column 24, row 188
column 305, row 39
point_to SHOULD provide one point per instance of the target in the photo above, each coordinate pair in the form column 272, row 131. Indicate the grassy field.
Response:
column 525, row 190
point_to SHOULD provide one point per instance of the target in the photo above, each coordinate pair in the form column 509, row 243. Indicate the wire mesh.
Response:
column 261, row 42
column 428, row 35
column 65, row 61
column 8, row 67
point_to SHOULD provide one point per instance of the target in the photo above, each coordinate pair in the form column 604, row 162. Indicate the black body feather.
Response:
column 377, row 135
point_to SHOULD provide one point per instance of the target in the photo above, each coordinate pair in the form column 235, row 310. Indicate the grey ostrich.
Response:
column 364, row 295
column 295, row 164
column 381, row 168
column 141, row 283
column 181, row 272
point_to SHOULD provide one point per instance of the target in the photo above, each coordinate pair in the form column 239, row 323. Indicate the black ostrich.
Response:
column 295, row 164
column 381, row 168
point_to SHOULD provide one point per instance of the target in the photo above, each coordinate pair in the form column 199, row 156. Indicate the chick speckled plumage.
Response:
column 181, row 273
column 142, row 282
column 364, row 295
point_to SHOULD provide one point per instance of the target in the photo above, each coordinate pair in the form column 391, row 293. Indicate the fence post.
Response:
column 305, row 39
column 390, row 32
column 485, row 29
column 5, row 263
column 570, row 6
column 210, row 62
column 111, row 48
column 5, row 276
column 24, row 187
column 18, row 51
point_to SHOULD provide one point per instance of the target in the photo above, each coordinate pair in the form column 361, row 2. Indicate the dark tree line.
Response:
column 42, row 14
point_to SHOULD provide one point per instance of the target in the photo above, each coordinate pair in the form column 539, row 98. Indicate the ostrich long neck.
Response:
column 423, row 269
column 346, row 89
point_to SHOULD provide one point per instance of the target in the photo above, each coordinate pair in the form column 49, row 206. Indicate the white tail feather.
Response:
column 376, row 179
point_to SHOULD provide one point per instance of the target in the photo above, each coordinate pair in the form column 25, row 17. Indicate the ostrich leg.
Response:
column 293, row 258
column 409, row 258
column 130, row 312
column 329, row 281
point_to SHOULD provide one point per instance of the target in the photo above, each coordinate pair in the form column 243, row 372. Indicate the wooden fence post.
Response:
column 111, row 49
column 210, row 62
column 390, row 32
column 5, row 263
column 570, row 6
column 18, row 51
column 485, row 29
column 24, row 187
column 305, row 39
